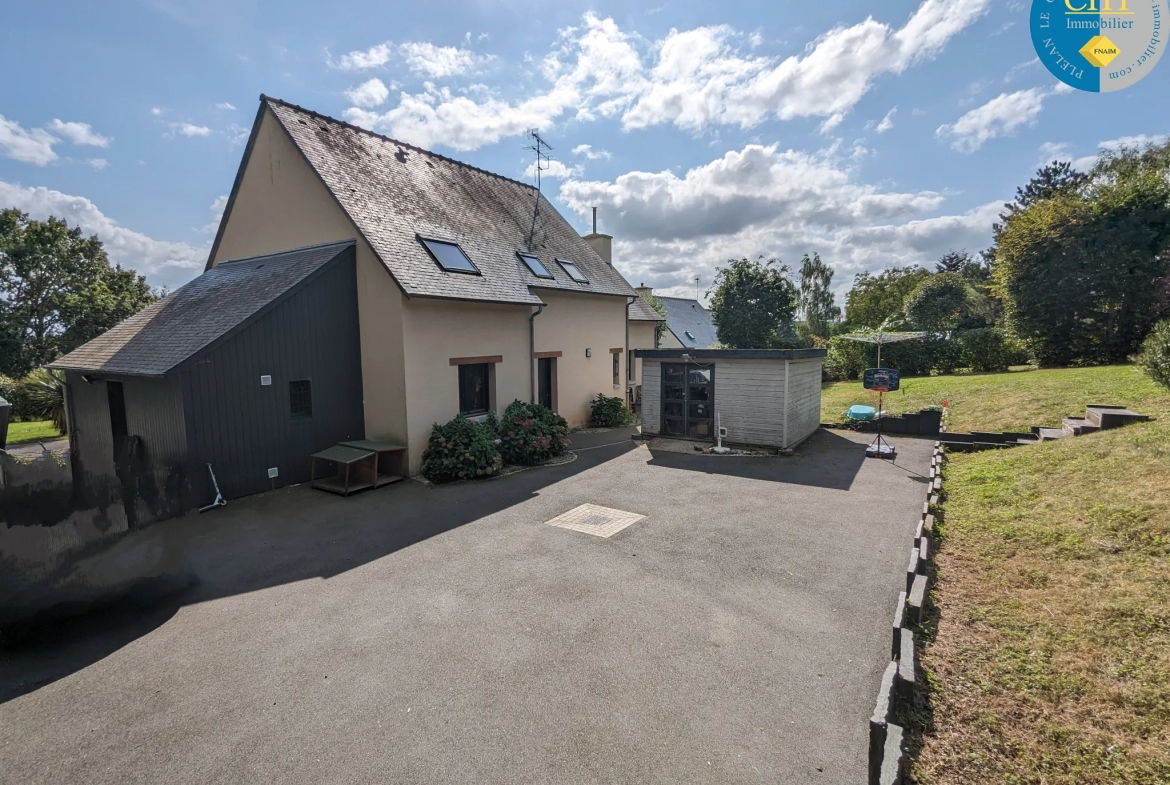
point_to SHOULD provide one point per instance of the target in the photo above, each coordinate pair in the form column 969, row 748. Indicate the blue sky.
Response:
column 872, row 134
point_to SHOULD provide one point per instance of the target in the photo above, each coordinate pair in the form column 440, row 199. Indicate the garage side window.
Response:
column 300, row 396
column 473, row 389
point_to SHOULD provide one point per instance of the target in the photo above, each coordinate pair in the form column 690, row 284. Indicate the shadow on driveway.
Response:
column 289, row 535
column 825, row 460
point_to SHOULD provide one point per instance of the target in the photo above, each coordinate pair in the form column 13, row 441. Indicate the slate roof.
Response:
column 689, row 315
column 166, row 333
column 395, row 192
column 642, row 311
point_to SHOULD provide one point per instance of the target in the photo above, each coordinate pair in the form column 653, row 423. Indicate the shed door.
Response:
column 688, row 400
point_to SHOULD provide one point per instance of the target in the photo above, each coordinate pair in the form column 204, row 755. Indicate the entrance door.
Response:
column 120, row 439
column 544, row 381
column 688, row 400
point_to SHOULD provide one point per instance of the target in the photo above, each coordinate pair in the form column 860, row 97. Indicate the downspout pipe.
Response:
column 629, row 362
column 532, row 349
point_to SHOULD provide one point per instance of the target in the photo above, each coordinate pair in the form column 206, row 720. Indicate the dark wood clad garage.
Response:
column 250, row 368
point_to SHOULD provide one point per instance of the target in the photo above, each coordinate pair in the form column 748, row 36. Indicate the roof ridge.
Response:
column 384, row 138
column 282, row 253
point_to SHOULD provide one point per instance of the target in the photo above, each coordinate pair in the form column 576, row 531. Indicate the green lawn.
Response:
column 1010, row 401
column 1048, row 660
column 40, row 431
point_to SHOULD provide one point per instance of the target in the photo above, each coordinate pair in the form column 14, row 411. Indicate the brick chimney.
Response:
column 643, row 290
column 602, row 244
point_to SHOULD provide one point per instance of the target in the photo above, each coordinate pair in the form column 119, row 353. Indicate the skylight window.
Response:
column 538, row 269
column 449, row 256
column 689, row 334
column 573, row 272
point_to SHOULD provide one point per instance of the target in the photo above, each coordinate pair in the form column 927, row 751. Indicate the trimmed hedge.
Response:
column 531, row 434
column 462, row 450
column 982, row 349
column 608, row 412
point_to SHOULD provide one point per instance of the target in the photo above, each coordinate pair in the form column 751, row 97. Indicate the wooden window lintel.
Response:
column 496, row 358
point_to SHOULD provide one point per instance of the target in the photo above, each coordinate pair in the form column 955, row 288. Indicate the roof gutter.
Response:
column 532, row 349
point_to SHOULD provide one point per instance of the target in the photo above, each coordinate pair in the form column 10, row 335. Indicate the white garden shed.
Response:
column 762, row 397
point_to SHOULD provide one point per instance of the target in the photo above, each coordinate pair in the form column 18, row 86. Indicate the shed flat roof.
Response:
column 732, row 354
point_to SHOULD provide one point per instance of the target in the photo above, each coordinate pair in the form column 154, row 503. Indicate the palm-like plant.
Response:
column 44, row 397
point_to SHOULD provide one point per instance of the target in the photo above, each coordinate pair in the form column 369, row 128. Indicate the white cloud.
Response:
column 554, row 170
column 1001, row 116
column 154, row 110
column 887, row 122
column 32, row 146
column 237, row 134
column 98, row 163
column 421, row 57
column 691, row 79
column 370, row 93
column 225, row 106
column 1053, row 151
column 373, row 57
column 1085, row 163
column 593, row 155
column 189, row 129
column 1140, row 140
column 80, row 133
column 217, row 207
column 436, row 61
column 163, row 263
column 762, row 200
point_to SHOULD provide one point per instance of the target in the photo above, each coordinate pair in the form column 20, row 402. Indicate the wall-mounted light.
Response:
column 588, row 352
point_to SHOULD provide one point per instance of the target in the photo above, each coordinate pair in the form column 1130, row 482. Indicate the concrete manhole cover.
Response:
column 592, row 519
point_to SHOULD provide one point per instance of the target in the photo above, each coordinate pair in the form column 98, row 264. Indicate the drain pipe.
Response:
column 629, row 360
column 532, row 349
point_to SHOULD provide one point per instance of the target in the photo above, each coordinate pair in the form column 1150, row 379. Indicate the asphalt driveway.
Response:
column 737, row 634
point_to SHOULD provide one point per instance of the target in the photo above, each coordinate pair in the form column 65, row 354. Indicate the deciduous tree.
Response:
column 57, row 291
column 753, row 304
column 817, row 305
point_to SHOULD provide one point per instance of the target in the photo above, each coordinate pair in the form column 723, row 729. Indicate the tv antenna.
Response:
column 539, row 146
column 543, row 161
column 697, row 279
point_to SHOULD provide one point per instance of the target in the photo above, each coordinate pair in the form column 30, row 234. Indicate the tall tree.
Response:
column 57, row 291
column 818, row 307
column 753, row 305
column 876, row 298
column 1083, row 274
column 941, row 302
column 1050, row 180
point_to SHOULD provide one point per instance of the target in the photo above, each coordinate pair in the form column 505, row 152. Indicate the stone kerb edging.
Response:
column 886, row 753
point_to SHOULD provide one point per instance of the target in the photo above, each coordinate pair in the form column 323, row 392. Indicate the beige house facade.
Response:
column 472, row 290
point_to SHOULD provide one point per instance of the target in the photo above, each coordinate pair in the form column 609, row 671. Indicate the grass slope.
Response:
column 1050, row 658
column 24, row 432
column 1010, row 401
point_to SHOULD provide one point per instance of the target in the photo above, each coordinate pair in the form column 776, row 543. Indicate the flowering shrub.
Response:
column 531, row 434
column 462, row 450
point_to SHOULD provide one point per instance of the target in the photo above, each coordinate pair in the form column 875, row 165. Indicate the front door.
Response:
column 544, row 367
column 688, row 400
